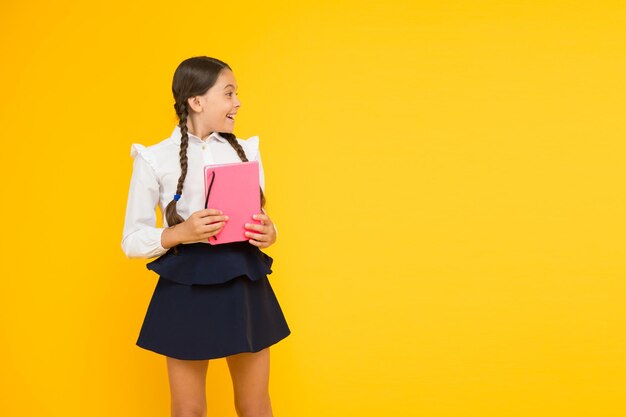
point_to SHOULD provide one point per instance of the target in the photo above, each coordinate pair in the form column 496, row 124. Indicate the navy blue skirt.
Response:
column 212, row 301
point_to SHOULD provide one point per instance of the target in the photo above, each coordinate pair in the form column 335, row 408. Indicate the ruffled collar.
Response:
column 175, row 136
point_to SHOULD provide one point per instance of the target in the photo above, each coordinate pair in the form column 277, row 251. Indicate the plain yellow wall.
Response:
column 447, row 179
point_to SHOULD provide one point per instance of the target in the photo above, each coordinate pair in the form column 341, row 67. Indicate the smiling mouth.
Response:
column 231, row 117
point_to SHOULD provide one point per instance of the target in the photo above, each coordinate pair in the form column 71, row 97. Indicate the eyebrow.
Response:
column 229, row 85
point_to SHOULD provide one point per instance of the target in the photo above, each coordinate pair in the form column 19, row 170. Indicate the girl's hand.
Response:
column 199, row 226
column 261, row 235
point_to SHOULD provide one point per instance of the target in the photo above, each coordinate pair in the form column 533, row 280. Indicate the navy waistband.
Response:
column 201, row 263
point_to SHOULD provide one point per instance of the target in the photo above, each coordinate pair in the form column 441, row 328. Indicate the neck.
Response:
column 197, row 130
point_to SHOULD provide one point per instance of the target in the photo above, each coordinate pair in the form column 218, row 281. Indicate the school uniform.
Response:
column 210, row 301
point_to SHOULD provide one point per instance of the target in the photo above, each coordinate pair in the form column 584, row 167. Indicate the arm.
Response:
column 141, row 238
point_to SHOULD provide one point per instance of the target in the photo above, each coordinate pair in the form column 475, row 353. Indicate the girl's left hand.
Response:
column 261, row 235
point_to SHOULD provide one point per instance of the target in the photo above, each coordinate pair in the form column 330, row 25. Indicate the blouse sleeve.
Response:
column 254, row 154
column 141, row 238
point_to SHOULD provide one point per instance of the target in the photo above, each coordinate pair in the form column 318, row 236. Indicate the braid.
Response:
column 171, row 214
column 184, row 143
column 232, row 140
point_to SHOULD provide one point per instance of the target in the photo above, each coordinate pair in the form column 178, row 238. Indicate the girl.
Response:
column 211, row 301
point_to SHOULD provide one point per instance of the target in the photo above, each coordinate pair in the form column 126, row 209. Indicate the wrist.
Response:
column 171, row 236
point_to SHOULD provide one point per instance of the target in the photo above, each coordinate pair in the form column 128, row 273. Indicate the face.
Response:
column 215, row 110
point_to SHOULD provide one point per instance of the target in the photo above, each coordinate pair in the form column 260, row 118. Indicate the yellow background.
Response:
column 447, row 179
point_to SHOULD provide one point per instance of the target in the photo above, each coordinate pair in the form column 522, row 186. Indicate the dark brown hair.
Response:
column 193, row 77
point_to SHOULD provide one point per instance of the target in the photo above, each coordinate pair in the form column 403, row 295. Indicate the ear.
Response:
column 194, row 104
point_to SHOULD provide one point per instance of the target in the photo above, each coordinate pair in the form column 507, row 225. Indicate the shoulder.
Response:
column 153, row 154
column 250, row 147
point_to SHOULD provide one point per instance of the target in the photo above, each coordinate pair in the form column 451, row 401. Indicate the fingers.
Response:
column 258, row 244
column 208, row 212
column 264, row 238
column 263, row 228
column 265, row 225
column 210, row 221
column 261, row 237
column 261, row 242
column 263, row 217
column 208, row 216
column 214, row 226
column 204, row 230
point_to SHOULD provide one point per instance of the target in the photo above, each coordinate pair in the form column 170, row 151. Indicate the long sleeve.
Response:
column 141, row 238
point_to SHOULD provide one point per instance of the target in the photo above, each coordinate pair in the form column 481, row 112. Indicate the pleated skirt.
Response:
column 212, row 301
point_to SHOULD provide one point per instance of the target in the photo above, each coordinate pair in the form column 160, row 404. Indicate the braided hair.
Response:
column 193, row 77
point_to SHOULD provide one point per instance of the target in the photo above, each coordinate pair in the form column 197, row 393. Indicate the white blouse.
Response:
column 155, row 175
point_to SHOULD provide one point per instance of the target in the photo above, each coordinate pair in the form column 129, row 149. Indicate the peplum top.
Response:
column 205, row 264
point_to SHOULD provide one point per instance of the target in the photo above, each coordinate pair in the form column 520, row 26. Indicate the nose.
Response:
column 237, row 102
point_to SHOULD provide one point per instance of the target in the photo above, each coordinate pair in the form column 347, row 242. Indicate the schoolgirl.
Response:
column 210, row 301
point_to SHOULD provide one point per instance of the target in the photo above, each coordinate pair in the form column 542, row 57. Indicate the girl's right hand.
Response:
column 199, row 226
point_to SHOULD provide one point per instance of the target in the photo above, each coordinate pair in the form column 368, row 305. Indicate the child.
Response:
column 211, row 301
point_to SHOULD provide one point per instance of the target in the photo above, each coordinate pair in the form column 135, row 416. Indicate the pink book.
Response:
column 234, row 189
